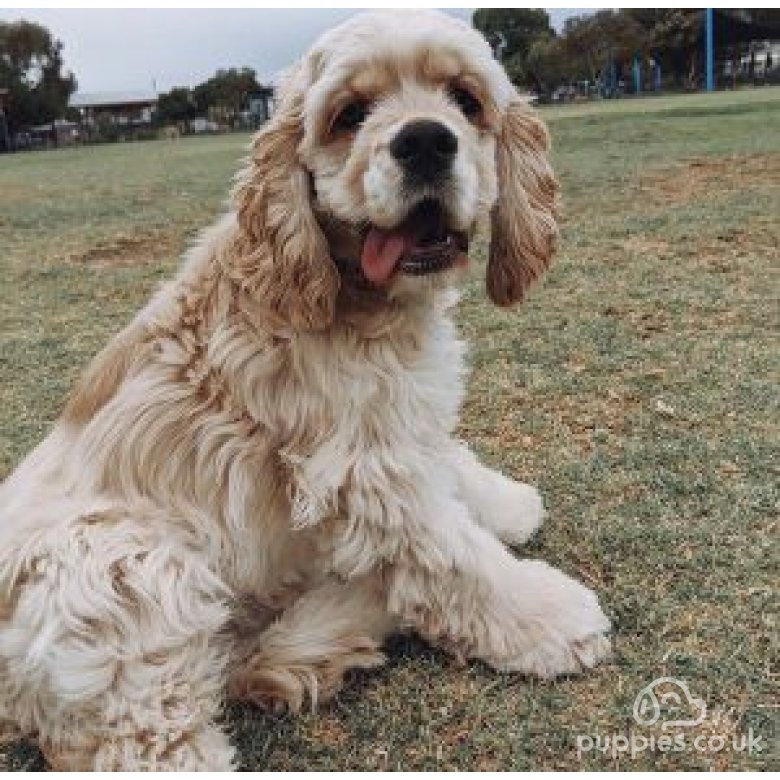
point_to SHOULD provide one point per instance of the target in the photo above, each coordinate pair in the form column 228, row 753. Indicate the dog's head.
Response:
column 394, row 138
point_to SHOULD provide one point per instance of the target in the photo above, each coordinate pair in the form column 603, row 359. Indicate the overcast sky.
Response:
column 128, row 49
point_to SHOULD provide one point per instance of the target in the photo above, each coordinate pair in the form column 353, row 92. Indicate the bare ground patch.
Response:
column 698, row 177
column 126, row 250
column 731, row 250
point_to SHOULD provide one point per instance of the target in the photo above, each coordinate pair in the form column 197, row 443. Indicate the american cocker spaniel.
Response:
column 256, row 481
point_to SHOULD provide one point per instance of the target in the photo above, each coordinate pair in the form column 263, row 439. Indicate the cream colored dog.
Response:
column 257, row 481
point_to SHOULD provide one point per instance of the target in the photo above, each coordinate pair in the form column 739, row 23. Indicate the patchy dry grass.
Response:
column 638, row 386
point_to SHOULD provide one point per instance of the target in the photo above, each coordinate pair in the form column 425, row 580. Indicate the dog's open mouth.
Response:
column 422, row 244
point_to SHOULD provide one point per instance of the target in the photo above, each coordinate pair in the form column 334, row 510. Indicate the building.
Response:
column 122, row 110
column 60, row 132
column 260, row 103
column 763, row 58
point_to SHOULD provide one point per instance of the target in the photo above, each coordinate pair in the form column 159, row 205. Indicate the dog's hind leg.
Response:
column 112, row 653
column 335, row 627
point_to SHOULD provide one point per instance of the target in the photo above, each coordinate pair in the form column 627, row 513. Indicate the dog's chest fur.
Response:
column 261, row 446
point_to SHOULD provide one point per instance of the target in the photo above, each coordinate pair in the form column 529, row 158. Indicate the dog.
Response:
column 256, row 481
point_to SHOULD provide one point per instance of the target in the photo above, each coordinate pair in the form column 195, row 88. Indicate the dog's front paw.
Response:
column 529, row 514
column 557, row 628
column 517, row 512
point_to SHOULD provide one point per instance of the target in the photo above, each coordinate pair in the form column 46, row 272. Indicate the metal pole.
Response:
column 637, row 74
column 708, row 22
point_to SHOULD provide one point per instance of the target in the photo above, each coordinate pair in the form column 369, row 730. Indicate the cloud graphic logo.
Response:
column 669, row 698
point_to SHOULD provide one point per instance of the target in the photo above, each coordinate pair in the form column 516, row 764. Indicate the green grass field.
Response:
column 638, row 387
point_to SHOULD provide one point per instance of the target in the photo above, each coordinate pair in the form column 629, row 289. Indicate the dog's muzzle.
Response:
column 422, row 244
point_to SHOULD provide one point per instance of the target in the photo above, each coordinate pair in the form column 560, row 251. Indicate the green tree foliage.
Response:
column 548, row 65
column 512, row 32
column 535, row 57
column 31, row 68
column 221, row 97
column 225, row 93
column 592, row 41
column 178, row 105
column 675, row 36
column 766, row 17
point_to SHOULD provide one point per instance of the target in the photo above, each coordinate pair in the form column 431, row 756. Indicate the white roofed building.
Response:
column 128, row 109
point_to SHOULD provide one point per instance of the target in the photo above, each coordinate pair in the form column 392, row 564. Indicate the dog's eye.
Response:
column 466, row 102
column 350, row 117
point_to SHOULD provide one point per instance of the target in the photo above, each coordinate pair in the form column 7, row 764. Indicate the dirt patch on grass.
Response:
column 727, row 251
column 700, row 176
column 731, row 251
column 644, row 245
column 125, row 250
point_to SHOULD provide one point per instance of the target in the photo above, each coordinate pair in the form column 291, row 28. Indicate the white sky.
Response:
column 126, row 49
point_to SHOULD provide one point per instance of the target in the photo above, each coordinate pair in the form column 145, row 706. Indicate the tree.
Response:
column 768, row 18
column 31, row 67
column 512, row 32
column 548, row 66
column 593, row 42
column 591, row 45
column 225, row 93
column 675, row 37
column 178, row 105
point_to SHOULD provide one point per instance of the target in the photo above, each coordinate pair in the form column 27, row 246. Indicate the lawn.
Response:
column 638, row 387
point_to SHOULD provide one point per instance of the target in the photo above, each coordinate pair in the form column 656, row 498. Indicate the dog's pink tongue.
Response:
column 381, row 252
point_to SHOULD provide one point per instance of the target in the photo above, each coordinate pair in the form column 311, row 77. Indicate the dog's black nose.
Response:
column 424, row 148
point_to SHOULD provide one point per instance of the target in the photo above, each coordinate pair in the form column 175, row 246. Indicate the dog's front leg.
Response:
column 459, row 587
column 510, row 510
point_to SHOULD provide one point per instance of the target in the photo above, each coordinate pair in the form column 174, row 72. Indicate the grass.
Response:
column 638, row 387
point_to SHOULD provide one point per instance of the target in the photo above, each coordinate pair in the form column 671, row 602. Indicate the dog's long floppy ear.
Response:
column 283, row 254
column 523, row 221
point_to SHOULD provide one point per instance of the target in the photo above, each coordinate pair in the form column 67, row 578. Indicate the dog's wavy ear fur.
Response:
column 523, row 221
column 283, row 255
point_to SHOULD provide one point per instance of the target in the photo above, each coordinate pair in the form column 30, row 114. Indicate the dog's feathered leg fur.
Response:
column 457, row 584
column 115, row 636
column 307, row 651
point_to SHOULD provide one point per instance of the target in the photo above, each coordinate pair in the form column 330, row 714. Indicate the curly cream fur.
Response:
column 524, row 226
column 257, row 480
column 283, row 258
